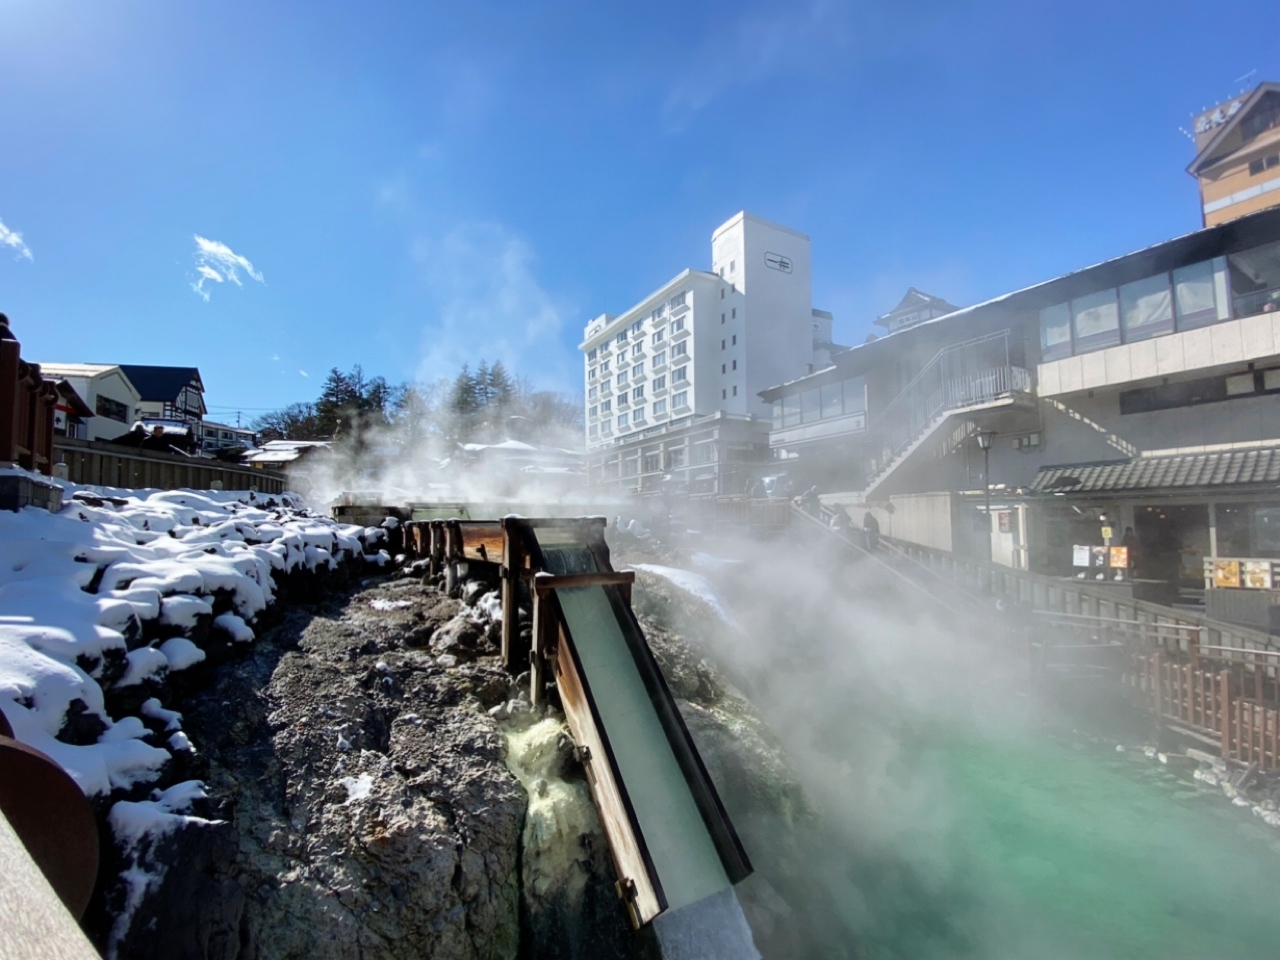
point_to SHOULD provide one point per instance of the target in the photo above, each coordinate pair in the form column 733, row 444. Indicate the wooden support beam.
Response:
column 544, row 583
column 514, row 554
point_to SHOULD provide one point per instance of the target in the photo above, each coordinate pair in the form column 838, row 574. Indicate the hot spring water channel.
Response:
column 1054, row 850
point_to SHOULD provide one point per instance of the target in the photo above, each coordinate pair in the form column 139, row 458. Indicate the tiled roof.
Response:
column 1226, row 468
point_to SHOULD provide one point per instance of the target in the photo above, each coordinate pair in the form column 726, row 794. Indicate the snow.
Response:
column 357, row 788
column 77, row 587
column 691, row 583
column 378, row 603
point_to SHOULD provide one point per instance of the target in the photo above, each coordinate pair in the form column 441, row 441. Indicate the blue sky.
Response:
column 417, row 185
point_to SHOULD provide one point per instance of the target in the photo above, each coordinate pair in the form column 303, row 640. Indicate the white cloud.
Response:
column 13, row 240
column 218, row 263
column 767, row 40
column 303, row 373
column 489, row 304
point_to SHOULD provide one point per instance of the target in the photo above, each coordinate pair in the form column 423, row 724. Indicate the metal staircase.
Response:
column 961, row 378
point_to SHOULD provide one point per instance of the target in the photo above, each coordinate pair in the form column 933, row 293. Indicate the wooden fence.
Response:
column 26, row 408
column 1216, row 681
column 97, row 463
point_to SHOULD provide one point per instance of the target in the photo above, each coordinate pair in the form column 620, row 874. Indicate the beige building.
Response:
column 1238, row 155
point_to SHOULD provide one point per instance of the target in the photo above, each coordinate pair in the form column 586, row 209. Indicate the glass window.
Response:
column 637, row 392
column 1096, row 318
column 622, row 337
column 679, row 374
column 777, row 414
column 591, row 394
column 677, row 325
column 810, row 406
column 622, row 420
column 791, row 410
column 622, row 377
column 606, row 384
column 659, row 382
column 606, row 406
column 680, row 350
column 678, row 300
column 680, row 399
column 593, row 431
column 659, row 407
column 638, row 414
column 832, row 400
column 1146, row 308
column 658, row 335
column 1055, row 332
column 659, row 358
column 855, row 395
column 1255, row 280
column 592, row 412
column 591, row 374
column 591, row 354
column 637, row 349
column 1200, row 293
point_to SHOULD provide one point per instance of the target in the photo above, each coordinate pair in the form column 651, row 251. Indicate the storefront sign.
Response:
column 1226, row 573
column 1257, row 574
column 1119, row 558
column 1108, row 533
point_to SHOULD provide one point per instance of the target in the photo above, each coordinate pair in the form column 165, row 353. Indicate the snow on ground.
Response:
column 121, row 588
column 691, row 583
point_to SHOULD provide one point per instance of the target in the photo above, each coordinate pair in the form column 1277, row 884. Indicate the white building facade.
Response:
column 671, row 385
column 106, row 390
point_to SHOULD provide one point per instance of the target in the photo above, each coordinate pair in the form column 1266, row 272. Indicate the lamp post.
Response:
column 985, row 437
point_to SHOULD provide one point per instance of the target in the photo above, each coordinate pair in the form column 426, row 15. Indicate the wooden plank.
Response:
column 545, row 583
column 627, row 848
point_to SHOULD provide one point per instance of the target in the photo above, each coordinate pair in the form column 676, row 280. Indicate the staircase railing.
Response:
column 961, row 375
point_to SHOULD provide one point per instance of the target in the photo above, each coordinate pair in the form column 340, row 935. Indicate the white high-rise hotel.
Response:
column 671, row 384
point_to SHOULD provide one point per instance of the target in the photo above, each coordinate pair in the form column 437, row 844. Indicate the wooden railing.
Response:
column 96, row 463
column 26, row 408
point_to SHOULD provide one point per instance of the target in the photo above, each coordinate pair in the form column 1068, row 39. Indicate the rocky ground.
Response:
column 380, row 788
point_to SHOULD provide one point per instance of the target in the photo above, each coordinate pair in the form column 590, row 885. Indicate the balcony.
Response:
column 639, row 376
column 659, row 391
column 659, row 322
column 679, row 311
column 681, row 333
column 623, row 361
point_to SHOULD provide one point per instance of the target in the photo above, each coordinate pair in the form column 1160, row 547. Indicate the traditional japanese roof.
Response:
column 160, row 384
column 1235, row 113
column 1260, row 466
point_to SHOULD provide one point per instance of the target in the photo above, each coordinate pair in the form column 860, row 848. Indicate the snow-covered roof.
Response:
column 77, row 370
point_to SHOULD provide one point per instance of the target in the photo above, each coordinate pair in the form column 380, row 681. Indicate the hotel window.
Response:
column 591, row 394
column 1096, row 320
column 638, row 414
column 721, row 344
column 1055, row 332
column 604, row 367
column 591, row 374
column 659, row 383
column 735, row 340
column 1200, row 293
column 591, row 354
column 679, row 350
column 660, row 313
column 606, row 406
column 724, row 394
column 734, row 313
column 679, row 300
column 675, row 456
column 677, row 325
column 810, row 406
column 679, row 374
column 1255, row 280
column 658, row 336
column 732, row 265
column 637, row 393
column 637, row 327
column 680, row 399
column 621, row 337
column 1146, row 308
column 722, row 293
column 722, row 317
column 593, row 431
column 593, row 411
column 622, row 377
column 638, row 369
column 735, row 391
column 735, row 364
column 606, row 384
column 637, row 349
column 659, row 407
column 722, row 369
column 659, row 358
column 622, row 420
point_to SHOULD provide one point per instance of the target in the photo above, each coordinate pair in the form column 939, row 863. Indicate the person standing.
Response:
column 871, row 531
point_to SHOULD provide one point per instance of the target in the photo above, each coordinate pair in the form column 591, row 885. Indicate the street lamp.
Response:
column 985, row 438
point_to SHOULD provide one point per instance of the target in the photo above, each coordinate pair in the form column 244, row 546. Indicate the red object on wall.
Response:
column 26, row 408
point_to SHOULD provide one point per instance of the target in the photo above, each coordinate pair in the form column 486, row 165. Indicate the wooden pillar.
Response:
column 537, row 656
column 1224, row 706
column 10, row 350
column 513, row 563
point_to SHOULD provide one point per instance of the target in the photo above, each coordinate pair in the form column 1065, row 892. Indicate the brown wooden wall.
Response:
column 26, row 408
column 97, row 463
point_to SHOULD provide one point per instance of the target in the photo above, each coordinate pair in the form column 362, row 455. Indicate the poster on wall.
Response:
column 1257, row 574
column 1098, row 556
column 1119, row 558
column 1080, row 555
column 1226, row 573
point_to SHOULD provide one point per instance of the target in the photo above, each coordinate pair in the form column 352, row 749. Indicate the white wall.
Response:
column 774, row 325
